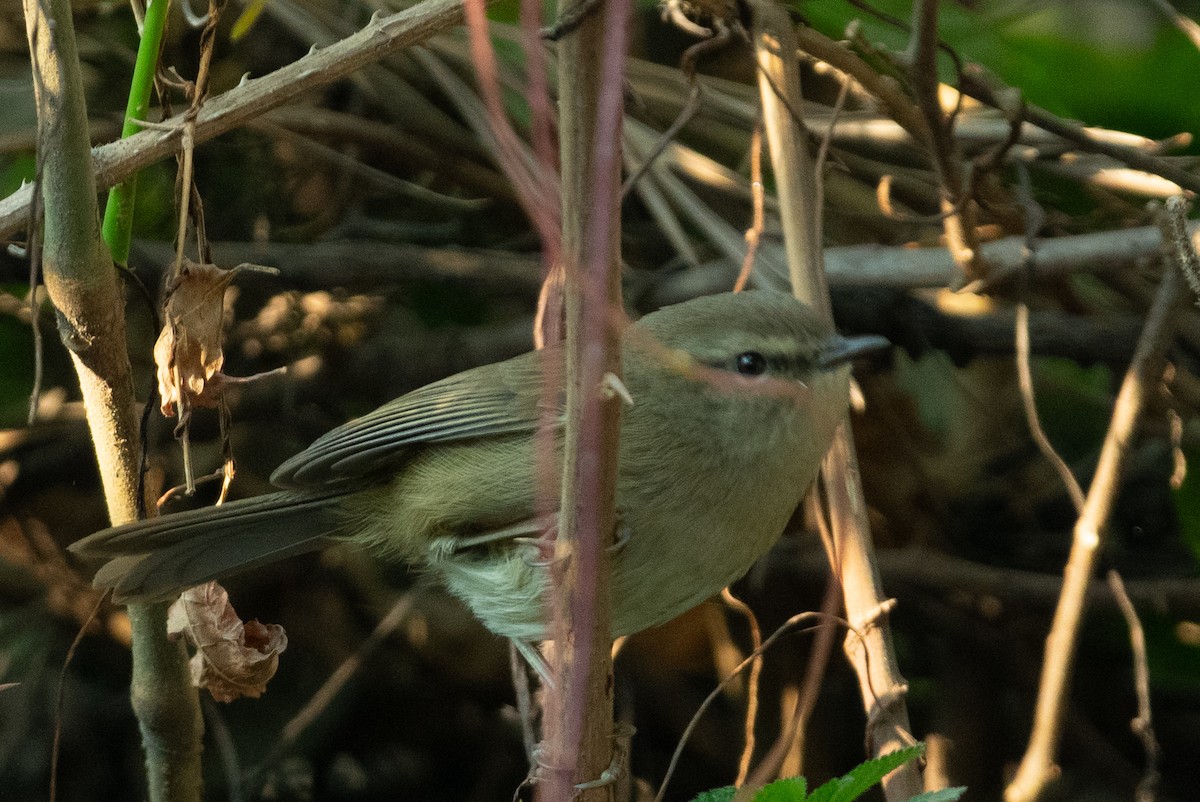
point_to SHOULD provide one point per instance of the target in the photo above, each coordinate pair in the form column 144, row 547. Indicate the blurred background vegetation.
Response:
column 403, row 257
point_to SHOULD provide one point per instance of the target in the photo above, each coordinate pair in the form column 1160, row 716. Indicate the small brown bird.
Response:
column 735, row 401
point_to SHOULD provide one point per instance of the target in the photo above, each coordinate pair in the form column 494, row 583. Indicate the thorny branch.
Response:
column 383, row 35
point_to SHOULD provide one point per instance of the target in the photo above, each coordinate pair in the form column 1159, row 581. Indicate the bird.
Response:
column 733, row 398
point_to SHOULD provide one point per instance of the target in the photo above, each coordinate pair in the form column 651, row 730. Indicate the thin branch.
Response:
column 381, row 179
column 82, row 285
column 657, row 205
column 1025, row 380
column 758, row 193
column 752, row 683
column 850, row 551
column 958, row 222
column 791, row 739
column 1037, row 767
column 60, row 693
column 384, row 35
column 34, row 251
column 978, row 83
column 666, row 138
column 533, row 179
column 226, row 748
column 897, row 104
column 1142, row 724
column 785, row 628
column 403, row 146
column 333, row 685
column 920, row 571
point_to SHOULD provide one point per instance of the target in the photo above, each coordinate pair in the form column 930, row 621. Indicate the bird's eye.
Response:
column 750, row 363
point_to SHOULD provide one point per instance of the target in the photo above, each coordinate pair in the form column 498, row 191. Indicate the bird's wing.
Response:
column 496, row 399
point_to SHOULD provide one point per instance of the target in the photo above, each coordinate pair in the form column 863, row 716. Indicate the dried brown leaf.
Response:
column 233, row 659
column 188, row 352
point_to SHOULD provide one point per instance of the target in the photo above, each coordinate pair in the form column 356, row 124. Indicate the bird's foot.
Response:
column 623, row 534
column 618, row 767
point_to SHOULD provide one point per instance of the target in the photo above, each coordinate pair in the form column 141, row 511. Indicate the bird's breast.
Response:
column 698, row 521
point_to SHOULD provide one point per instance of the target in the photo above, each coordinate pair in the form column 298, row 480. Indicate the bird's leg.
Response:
column 545, row 544
column 538, row 663
column 542, row 547
column 618, row 768
column 445, row 547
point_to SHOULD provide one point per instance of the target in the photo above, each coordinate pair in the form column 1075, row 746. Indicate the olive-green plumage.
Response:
column 716, row 452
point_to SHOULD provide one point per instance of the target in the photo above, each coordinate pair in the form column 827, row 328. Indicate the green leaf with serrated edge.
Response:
column 790, row 789
column 717, row 795
column 941, row 795
column 863, row 776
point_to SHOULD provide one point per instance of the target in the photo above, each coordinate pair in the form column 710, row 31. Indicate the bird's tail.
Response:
column 158, row 558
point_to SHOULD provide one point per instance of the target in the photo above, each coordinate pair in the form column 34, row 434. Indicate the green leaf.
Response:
column 1116, row 69
column 943, row 795
column 843, row 789
column 864, row 775
column 791, row 789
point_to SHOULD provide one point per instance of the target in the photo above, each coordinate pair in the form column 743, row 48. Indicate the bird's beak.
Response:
column 840, row 350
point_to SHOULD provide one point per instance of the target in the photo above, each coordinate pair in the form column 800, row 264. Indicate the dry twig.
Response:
column 785, row 628
column 1142, row 724
column 1037, row 768
column 850, row 550
column 958, row 214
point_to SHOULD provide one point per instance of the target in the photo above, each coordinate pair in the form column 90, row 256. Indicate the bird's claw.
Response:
column 617, row 769
column 544, row 549
column 624, row 534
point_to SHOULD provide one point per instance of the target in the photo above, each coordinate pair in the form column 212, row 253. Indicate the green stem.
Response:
column 118, row 214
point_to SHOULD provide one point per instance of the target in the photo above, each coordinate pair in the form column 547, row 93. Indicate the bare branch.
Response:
column 850, row 551
column 1037, row 767
column 115, row 162
column 82, row 283
column 1142, row 725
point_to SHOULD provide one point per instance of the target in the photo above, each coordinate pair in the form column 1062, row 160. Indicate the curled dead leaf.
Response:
column 233, row 659
column 188, row 353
